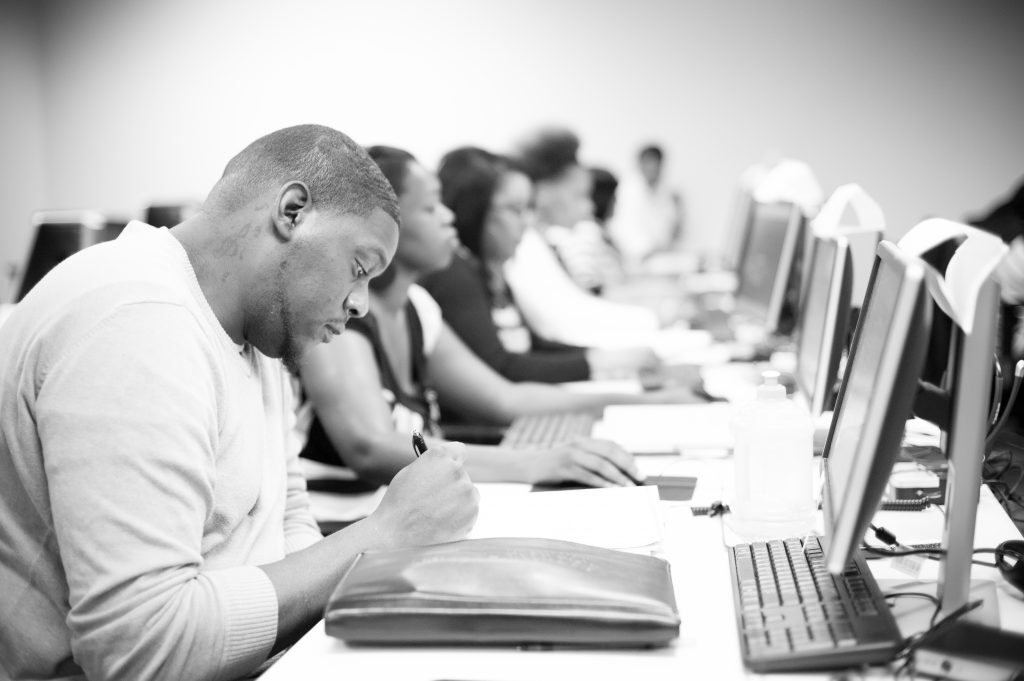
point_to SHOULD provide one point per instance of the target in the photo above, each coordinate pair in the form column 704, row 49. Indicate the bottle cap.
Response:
column 770, row 388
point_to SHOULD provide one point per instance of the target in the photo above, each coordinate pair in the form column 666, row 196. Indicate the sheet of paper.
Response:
column 667, row 428
column 613, row 518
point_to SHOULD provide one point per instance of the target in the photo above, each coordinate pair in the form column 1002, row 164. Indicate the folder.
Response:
column 505, row 591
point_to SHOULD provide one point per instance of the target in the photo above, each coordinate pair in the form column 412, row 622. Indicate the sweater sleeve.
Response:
column 300, row 528
column 127, row 417
column 463, row 300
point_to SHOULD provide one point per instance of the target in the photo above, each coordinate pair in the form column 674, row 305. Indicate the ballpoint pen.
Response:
column 419, row 445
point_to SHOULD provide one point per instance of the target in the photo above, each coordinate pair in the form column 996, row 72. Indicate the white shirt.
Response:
column 557, row 309
column 645, row 218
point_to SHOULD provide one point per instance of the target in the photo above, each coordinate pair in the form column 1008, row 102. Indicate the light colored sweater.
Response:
column 144, row 474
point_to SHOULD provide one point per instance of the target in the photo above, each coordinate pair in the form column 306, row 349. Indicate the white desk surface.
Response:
column 708, row 644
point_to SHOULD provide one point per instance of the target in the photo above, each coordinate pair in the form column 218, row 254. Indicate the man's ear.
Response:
column 293, row 206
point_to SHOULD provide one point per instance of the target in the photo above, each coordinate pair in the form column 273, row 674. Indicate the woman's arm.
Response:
column 342, row 380
column 343, row 383
column 464, row 382
column 463, row 300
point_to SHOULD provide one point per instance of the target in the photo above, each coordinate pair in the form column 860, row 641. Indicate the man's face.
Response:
column 566, row 199
column 650, row 168
column 322, row 280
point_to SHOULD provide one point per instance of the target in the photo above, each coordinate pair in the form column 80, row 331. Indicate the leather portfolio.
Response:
column 518, row 591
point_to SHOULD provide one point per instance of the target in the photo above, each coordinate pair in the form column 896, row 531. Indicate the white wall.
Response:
column 918, row 101
column 22, row 177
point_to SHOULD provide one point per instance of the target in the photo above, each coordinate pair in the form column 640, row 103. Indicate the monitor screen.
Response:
column 875, row 400
column 59, row 236
column 821, row 327
column 766, row 264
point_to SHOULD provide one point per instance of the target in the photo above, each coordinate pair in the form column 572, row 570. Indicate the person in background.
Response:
column 553, row 305
column 378, row 382
column 649, row 213
column 604, row 186
column 1006, row 220
column 491, row 200
column 152, row 522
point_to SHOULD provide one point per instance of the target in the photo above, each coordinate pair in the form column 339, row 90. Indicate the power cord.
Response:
column 889, row 539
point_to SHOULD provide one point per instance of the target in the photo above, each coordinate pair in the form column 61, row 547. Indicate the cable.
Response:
column 936, row 628
column 997, row 393
column 935, row 554
column 918, row 594
column 1018, row 373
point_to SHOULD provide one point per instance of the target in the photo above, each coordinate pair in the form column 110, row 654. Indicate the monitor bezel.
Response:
column 783, row 274
column 837, row 311
column 900, row 365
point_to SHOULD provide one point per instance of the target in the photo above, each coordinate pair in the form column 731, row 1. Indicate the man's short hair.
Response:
column 340, row 175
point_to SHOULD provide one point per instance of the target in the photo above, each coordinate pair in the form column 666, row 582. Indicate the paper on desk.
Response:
column 349, row 507
column 675, row 344
column 710, row 282
column 667, row 428
column 973, row 263
column 612, row 518
column 624, row 386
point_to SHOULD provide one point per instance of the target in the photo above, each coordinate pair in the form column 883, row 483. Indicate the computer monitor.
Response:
column 821, row 324
column 768, row 270
column 875, row 399
column 59, row 235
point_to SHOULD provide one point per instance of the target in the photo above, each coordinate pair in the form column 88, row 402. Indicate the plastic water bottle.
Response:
column 774, row 461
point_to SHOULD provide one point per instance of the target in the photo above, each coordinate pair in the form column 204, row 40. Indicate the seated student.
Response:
column 152, row 522
column 553, row 305
column 649, row 216
column 373, row 386
column 490, row 199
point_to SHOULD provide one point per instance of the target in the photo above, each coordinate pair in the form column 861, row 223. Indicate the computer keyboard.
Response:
column 539, row 431
column 793, row 614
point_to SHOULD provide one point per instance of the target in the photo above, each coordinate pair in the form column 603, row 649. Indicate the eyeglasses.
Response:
column 518, row 210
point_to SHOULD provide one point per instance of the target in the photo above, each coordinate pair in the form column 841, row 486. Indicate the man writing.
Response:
column 153, row 522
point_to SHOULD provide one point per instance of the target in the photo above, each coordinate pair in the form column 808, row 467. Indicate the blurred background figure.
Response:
column 648, row 212
column 553, row 304
column 1006, row 220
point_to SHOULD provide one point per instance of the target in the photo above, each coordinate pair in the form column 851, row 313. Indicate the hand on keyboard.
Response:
column 671, row 395
column 595, row 463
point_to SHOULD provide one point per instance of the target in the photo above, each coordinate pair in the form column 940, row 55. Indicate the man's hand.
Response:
column 429, row 501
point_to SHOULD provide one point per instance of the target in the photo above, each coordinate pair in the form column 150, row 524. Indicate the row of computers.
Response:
column 811, row 602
